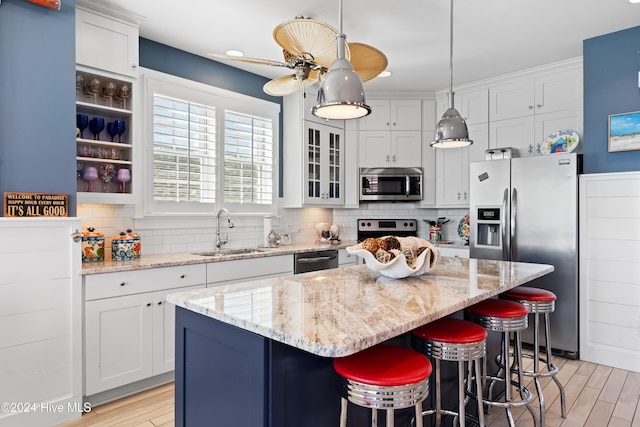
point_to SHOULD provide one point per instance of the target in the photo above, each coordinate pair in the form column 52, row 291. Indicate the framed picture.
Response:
column 624, row 132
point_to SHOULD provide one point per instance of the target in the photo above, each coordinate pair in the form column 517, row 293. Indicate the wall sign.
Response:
column 35, row 204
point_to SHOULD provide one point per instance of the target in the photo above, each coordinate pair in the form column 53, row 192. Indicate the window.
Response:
column 209, row 148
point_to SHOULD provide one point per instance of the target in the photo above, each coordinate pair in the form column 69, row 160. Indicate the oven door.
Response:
column 391, row 184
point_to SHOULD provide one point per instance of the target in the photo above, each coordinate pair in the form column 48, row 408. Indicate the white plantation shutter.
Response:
column 208, row 148
column 248, row 159
column 184, row 151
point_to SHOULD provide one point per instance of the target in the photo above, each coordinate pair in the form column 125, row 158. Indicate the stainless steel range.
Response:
column 386, row 227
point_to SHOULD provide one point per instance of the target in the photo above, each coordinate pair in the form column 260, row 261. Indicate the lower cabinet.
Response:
column 129, row 329
column 345, row 259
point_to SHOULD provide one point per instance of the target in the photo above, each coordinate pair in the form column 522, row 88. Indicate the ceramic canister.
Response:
column 122, row 247
column 137, row 243
column 92, row 245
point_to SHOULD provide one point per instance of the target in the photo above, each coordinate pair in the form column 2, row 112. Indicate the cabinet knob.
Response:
column 387, row 123
column 182, row 276
column 159, row 302
column 538, row 105
column 134, row 65
column 465, row 195
column 530, row 107
column 121, row 283
column 148, row 304
column 394, row 123
column 530, row 149
column 393, row 158
column 459, row 195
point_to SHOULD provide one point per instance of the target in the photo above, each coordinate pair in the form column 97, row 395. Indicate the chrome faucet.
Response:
column 219, row 240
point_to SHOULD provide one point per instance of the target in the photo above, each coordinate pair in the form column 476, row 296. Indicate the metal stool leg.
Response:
column 551, row 367
column 343, row 412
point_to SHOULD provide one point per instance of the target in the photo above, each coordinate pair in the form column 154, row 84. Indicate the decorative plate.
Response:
column 562, row 141
column 464, row 229
column 398, row 267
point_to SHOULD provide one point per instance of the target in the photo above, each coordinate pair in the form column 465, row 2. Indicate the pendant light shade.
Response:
column 451, row 131
column 341, row 95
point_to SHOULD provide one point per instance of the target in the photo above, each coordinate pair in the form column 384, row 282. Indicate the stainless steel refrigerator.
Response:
column 526, row 209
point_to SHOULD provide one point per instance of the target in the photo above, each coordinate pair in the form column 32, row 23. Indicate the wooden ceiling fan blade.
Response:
column 252, row 60
column 301, row 36
column 366, row 60
column 286, row 85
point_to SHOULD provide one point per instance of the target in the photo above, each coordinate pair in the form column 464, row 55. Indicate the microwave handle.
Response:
column 407, row 186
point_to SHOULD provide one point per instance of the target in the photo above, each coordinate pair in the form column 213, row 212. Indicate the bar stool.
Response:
column 539, row 301
column 458, row 341
column 383, row 377
column 505, row 317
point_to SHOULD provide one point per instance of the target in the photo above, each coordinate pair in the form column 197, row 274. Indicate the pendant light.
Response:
column 451, row 131
column 341, row 95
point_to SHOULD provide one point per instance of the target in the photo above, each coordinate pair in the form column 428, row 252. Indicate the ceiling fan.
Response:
column 309, row 48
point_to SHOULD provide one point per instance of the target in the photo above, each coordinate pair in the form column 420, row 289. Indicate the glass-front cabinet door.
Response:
column 324, row 173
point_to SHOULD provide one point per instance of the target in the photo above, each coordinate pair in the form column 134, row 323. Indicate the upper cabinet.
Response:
column 106, row 78
column 525, row 111
column 561, row 90
column 391, row 135
column 404, row 114
column 314, row 155
column 107, row 39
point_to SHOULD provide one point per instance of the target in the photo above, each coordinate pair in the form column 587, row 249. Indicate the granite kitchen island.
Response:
column 260, row 353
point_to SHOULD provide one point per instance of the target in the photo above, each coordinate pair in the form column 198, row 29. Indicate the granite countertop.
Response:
column 338, row 312
column 185, row 258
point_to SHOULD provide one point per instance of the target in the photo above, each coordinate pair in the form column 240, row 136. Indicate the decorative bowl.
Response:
column 398, row 267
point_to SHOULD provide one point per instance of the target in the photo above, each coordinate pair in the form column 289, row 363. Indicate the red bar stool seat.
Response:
column 505, row 317
column 383, row 377
column 459, row 341
column 539, row 301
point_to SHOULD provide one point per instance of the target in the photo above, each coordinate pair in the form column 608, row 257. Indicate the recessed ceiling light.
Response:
column 236, row 53
column 634, row 1
column 386, row 73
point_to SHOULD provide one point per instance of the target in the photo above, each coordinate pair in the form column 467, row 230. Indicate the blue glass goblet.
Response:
column 96, row 125
column 121, row 127
column 112, row 130
column 82, row 122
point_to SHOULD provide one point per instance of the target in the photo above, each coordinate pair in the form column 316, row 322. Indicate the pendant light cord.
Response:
column 340, row 38
column 450, row 56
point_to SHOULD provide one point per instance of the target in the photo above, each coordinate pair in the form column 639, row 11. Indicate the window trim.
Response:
column 170, row 85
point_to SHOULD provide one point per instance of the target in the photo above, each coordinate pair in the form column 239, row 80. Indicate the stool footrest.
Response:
column 515, row 403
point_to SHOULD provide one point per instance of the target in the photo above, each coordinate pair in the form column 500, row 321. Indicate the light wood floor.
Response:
column 597, row 396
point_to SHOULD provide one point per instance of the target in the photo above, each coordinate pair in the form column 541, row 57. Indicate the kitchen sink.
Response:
column 223, row 252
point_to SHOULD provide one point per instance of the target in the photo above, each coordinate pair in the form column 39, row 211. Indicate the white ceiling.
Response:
column 491, row 37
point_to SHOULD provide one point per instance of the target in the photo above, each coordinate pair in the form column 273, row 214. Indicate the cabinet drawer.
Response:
column 345, row 257
column 249, row 268
column 133, row 282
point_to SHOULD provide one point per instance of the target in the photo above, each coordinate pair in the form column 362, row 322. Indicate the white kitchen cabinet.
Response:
column 129, row 328
column 390, row 136
column 544, row 93
column 526, row 134
column 609, row 296
column 240, row 270
column 314, row 155
column 474, row 105
column 394, row 114
column 452, row 168
column 351, row 173
column 107, row 38
column 40, row 321
column 428, row 154
column 390, row 149
column 345, row 259
column 453, row 252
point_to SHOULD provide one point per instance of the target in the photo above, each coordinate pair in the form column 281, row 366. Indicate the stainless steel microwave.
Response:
column 391, row 184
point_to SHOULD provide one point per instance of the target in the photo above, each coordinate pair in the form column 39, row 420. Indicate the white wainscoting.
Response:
column 610, row 269
column 40, row 322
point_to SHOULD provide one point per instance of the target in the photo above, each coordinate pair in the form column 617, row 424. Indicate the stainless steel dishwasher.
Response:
column 313, row 261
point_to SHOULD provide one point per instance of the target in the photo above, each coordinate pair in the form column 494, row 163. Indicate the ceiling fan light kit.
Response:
column 451, row 131
column 341, row 94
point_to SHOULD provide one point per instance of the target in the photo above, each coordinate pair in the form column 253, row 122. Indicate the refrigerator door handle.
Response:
column 514, row 215
column 503, row 226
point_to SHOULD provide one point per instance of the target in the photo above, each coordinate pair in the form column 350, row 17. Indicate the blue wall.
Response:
column 169, row 60
column 611, row 66
column 37, row 99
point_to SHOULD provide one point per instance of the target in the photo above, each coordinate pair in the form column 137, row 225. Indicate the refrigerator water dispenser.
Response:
column 488, row 232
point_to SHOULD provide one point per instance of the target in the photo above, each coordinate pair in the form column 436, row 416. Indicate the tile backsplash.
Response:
column 161, row 236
